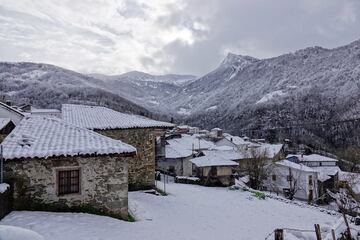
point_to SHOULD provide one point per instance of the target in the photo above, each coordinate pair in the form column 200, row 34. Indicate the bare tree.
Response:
column 293, row 184
column 346, row 199
column 351, row 155
column 255, row 167
column 346, row 204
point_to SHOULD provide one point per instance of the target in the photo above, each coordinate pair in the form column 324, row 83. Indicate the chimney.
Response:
column 231, row 139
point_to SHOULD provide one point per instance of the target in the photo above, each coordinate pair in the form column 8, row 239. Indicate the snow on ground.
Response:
column 4, row 187
column 17, row 233
column 270, row 96
column 188, row 212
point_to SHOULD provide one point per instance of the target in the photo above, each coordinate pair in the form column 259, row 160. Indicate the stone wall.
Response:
column 103, row 182
column 142, row 167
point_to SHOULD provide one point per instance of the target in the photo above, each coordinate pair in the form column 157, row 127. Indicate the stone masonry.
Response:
column 103, row 181
column 142, row 167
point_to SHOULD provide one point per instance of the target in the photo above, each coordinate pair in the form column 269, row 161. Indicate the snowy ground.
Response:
column 189, row 212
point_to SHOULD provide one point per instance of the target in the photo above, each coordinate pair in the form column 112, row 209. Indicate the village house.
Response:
column 179, row 149
column 214, row 170
column 6, row 126
column 266, row 151
column 292, row 179
column 182, row 129
column 216, row 133
column 54, row 163
column 135, row 130
column 7, row 111
column 232, row 141
column 325, row 166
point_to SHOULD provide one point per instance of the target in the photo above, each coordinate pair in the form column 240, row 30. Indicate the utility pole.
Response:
column 1, row 165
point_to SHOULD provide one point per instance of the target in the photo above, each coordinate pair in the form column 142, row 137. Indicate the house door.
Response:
column 310, row 198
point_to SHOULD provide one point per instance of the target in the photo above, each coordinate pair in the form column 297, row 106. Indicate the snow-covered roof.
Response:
column 171, row 151
column 267, row 149
column 235, row 139
column 183, row 126
column 4, row 122
column 40, row 110
column 210, row 161
column 327, row 170
column 96, row 117
column 271, row 150
column 301, row 167
column 224, row 154
column 184, row 146
column 11, row 109
column 44, row 137
column 313, row 158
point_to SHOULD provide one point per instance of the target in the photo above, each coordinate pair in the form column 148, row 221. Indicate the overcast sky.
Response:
column 168, row 36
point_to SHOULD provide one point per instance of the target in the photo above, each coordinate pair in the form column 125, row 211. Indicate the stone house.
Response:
column 7, row 111
column 6, row 126
column 54, row 163
column 135, row 130
column 213, row 170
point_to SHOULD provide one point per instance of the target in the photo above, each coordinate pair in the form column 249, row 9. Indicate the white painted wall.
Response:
column 281, row 182
column 7, row 113
column 319, row 164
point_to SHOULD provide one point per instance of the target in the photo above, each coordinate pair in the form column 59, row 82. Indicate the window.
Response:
column 68, row 181
column 310, row 180
column 274, row 177
column 288, row 178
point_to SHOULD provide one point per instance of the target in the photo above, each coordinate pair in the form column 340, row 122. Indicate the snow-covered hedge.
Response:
column 188, row 180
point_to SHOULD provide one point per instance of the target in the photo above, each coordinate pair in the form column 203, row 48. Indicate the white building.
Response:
column 325, row 166
column 10, row 112
column 288, row 178
column 314, row 160
column 216, row 133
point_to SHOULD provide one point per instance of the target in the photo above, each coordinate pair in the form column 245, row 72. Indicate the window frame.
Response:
column 58, row 171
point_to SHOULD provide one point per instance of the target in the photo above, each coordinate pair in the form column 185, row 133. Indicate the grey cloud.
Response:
column 265, row 29
column 259, row 28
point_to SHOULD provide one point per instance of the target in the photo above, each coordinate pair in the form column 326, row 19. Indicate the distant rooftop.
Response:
column 313, row 158
column 301, row 167
column 96, row 117
column 210, row 161
column 44, row 137
column 182, row 147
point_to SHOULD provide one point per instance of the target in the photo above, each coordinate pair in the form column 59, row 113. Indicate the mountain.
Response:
column 310, row 95
column 48, row 86
column 147, row 90
column 310, row 86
